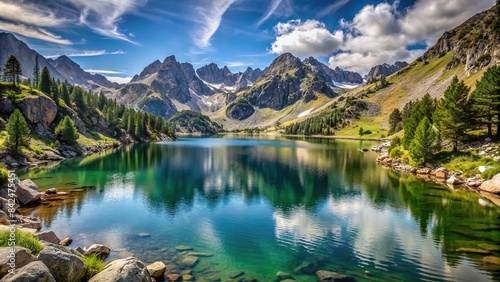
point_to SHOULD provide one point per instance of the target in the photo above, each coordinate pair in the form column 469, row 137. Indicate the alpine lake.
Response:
column 269, row 204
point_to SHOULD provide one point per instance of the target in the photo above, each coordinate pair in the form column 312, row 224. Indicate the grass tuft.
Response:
column 93, row 265
column 22, row 239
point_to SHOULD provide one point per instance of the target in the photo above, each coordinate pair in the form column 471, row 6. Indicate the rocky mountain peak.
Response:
column 384, row 70
column 332, row 75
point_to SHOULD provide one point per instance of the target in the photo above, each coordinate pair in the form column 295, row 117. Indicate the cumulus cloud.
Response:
column 378, row 33
column 210, row 14
column 102, row 16
column 305, row 38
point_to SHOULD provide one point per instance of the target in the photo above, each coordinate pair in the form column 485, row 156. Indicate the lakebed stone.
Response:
column 172, row 277
column 236, row 274
column 66, row 242
column 183, row 248
column 127, row 269
column 156, row 269
column 324, row 275
column 189, row 261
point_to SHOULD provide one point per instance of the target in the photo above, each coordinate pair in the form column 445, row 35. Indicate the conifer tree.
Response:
column 394, row 119
column 65, row 94
column 18, row 130
column 452, row 113
column 486, row 99
column 66, row 130
column 45, row 81
column 423, row 143
column 12, row 69
column 36, row 72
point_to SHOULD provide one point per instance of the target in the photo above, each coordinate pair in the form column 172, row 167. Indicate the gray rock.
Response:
column 453, row 180
column 308, row 266
column 67, row 242
column 491, row 186
column 51, row 191
column 29, row 222
column 65, row 264
column 156, row 269
column 123, row 270
column 21, row 258
column 27, row 192
column 39, row 109
column 189, row 261
column 34, row 271
column 324, row 275
column 98, row 249
column 240, row 110
column 48, row 236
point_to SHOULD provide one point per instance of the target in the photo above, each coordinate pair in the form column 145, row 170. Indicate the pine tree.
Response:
column 410, row 125
column 65, row 94
column 66, row 130
column 79, row 99
column 36, row 72
column 427, row 107
column 54, row 90
column 18, row 130
column 45, row 81
column 452, row 113
column 12, row 69
column 486, row 99
column 394, row 119
column 361, row 132
column 424, row 142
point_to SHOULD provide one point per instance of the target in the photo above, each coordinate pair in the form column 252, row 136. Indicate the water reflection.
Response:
column 285, row 200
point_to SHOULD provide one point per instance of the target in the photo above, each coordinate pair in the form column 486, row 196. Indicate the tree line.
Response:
column 75, row 102
column 457, row 117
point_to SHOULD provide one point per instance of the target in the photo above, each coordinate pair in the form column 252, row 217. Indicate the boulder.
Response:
column 324, row 275
column 98, row 249
column 27, row 192
column 39, row 109
column 66, row 242
column 19, row 258
column 29, row 222
column 127, row 269
column 64, row 263
column 34, row 271
column 6, row 106
column 441, row 173
column 156, row 269
column 491, row 186
column 453, row 180
column 48, row 236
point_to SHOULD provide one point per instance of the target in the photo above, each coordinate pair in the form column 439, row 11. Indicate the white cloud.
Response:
column 30, row 14
column 210, row 14
column 377, row 34
column 102, row 16
column 237, row 64
column 103, row 71
column 119, row 80
column 332, row 8
column 280, row 7
column 89, row 53
column 304, row 39
column 33, row 32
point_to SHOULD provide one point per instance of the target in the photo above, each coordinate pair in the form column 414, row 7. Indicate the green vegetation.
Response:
column 93, row 265
column 23, row 239
column 19, row 132
column 194, row 122
column 486, row 100
column 66, row 130
column 424, row 143
column 395, row 120
column 45, row 81
column 12, row 70
column 4, row 175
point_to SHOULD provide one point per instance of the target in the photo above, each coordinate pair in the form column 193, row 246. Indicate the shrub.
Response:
column 66, row 130
column 491, row 172
column 405, row 158
column 396, row 152
column 23, row 239
column 153, row 136
column 4, row 175
column 37, row 150
column 93, row 265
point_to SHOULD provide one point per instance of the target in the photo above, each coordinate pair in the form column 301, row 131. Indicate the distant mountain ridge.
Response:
column 333, row 75
column 384, row 70
column 223, row 78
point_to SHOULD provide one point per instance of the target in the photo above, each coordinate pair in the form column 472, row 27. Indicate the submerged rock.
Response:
column 324, row 275
column 189, row 261
column 199, row 254
column 183, row 248
column 472, row 251
column 156, row 269
column 236, row 274
column 308, row 266
column 283, row 275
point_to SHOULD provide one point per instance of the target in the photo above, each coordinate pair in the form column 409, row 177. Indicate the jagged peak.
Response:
column 169, row 59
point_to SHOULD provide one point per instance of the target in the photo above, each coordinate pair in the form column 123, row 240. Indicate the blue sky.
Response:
column 118, row 38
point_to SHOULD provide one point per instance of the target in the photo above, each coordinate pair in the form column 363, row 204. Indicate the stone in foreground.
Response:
column 492, row 186
column 324, row 275
column 22, row 256
column 27, row 192
column 127, row 269
column 98, row 249
column 64, row 263
column 34, row 271
column 48, row 236
column 156, row 269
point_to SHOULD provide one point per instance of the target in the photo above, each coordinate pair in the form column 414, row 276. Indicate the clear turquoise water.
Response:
column 266, row 205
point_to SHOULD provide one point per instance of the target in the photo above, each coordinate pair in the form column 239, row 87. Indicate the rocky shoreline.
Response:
column 441, row 175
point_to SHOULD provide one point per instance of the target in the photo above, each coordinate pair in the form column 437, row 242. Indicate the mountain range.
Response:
column 287, row 90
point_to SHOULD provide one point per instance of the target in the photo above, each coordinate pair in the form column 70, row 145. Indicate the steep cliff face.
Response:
column 38, row 109
column 332, row 75
column 76, row 75
column 475, row 43
column 211, row 73
column 286, row 81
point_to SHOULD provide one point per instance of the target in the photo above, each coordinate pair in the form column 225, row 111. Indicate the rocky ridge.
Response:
column 384, row 70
